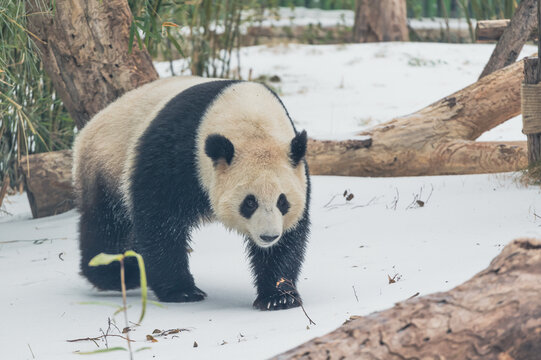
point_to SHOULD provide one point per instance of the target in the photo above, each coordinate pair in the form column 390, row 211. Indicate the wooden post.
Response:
column 531, row 100
column 531, row 75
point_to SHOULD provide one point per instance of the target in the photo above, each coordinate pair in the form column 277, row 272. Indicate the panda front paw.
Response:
column 278, row 301
column 185, row 295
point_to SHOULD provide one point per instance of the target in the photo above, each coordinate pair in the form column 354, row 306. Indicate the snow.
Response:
column 465, row 222
column 333, row 92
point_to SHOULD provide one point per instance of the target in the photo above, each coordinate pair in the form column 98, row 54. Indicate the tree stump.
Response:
column 380, row 20
column 47, row 179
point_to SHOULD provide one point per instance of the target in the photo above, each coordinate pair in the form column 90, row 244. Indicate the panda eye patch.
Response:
column 249, row 206
column 282, row 204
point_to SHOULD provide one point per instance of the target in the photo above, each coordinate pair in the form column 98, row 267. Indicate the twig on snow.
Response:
column 291, row 293
column 355, row 293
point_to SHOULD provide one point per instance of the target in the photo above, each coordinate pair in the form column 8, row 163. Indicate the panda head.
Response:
column 259, row 187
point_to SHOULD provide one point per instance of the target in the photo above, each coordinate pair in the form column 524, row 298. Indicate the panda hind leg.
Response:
column 104, row 227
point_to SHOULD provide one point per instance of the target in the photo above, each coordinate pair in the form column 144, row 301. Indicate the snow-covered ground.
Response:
column 332, row 91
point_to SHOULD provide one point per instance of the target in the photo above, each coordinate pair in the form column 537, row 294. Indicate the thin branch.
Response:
column 355, row 293
column 295, row 298
column 29, row 348
column 100, row 338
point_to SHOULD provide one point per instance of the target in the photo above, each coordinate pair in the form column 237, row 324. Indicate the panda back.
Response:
column 105, row 145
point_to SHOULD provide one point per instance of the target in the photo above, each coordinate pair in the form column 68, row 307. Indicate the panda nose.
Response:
column 268, row 238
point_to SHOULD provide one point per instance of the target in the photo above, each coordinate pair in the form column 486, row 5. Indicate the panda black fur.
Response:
column 177, row 152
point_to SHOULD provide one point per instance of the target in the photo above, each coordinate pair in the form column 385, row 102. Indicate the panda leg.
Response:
column 103, row 227
column 281, row 261
column 164, row 249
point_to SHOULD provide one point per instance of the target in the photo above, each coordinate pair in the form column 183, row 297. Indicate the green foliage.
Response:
column 319, row 4
column 477, row 9
column 205, row 32
column 101, row 351
column 33, row 118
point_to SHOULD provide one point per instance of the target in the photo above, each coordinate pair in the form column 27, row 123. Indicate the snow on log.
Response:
column 494, row 315
column 436, row 140
column 47, row 179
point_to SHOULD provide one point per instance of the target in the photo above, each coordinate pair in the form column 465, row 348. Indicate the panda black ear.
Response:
column 219, row 147
column 298, row 148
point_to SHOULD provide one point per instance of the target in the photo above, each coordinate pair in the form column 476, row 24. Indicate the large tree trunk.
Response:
column 436, row 140
column 84, row 49
column 380, row 20
column 495, row 315
column 513, row 38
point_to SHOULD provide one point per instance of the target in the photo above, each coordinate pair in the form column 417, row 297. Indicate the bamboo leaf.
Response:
column 143, row 348
column 175, row 44
column 104, row 259
column 143, row 281
column 100, row 351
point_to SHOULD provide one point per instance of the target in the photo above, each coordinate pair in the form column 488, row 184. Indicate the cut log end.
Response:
column 47, row 179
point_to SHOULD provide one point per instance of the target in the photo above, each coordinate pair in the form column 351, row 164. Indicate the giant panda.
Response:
column 178, row 152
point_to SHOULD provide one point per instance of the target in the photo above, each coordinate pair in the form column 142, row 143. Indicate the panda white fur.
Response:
column 177, row 152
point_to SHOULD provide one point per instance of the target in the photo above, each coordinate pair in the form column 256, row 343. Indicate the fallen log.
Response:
column 522, row 24
column 47, row 180
column 495, row 315
column 437, row 140
column 490, row 30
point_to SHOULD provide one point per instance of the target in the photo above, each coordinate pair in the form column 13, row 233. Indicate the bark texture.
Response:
column 84, row 48
column 534, row 140
column 4, row 189
column 496, row 315
column 47, row 178
column 380, row 20
column 522, row 24
column 436, row 140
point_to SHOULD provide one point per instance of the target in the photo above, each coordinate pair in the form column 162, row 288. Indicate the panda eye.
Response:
column 282, row 204
column 249, row 206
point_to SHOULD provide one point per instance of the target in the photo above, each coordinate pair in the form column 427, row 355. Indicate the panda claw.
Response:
column 186, row 295
column 277, row 302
